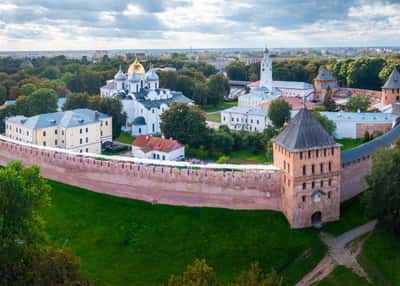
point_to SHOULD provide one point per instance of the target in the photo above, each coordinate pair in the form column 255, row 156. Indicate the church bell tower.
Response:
column 266, row 70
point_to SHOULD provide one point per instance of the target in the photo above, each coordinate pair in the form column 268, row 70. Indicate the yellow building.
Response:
column 79, row 130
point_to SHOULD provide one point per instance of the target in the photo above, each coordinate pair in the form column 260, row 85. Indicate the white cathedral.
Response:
column 267, row 89
column 142, row 98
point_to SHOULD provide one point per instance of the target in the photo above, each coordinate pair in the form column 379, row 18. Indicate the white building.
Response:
column 243, row 118
column 79, row 130
column 149, row 147
column 142, row 99
column 267, row 89
column 355, row 124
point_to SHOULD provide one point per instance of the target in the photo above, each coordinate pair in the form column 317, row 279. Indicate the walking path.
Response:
column 339, row 254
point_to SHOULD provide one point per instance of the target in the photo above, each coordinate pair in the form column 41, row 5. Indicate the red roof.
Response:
column 295, row 102
column 149, row 143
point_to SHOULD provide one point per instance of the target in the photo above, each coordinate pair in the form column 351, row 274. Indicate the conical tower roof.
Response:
column 324, row 74
column 393, row 80
column 304, row 132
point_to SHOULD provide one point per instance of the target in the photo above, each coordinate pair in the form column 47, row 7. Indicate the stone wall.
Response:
column 353, row 177
column 371, row 93
column 166, row 185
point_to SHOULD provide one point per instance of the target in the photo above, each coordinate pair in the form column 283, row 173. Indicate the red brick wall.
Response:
column 373, row 129
column 353, row 178
column 235, row 190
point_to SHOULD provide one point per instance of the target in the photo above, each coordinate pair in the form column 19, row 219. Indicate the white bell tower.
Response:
column 266, row 70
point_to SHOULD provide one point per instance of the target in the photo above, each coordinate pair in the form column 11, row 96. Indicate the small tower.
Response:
column 391, row 89
column 120, row 79
column 309, row 159
column 266, row 70
column 322, row 82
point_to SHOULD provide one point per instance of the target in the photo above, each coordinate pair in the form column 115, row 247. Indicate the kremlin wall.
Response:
column 173, row 186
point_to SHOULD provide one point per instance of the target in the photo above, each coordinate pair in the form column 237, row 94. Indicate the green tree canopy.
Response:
column 255, row 277
column 326, row 123
column 184, row 123
column 279, row 112
column 27, row 89
column 43, row 100
column 358, row 103
column 218, row 88
column 382, row 198
column 76, row 100
column 197, row 274
column 237, row 71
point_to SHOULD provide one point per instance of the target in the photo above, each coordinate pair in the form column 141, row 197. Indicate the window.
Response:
column 87, row 140
column 329, row 195
column 313, row 169
column 333, row 151
column 312, row 185
column 324, row 152
column 304, row 186
column 56, row 131
column 55, row 142
column 309, row 154
column 87, row 150
column 80, row 141
column 154, row 156
column 330, row 166
column 107, row 122
column 87, row 130
column 301, row 155
column 303, row 199
column 80, row 131
column 317, row 153
column 321, row 166
column 304, row 170
column 330, row 182
column 44, row 133
column 322, row 183
column 101, row 133
column 154, row 127
column 44, row 143
column 163, row 157
column 62, row 132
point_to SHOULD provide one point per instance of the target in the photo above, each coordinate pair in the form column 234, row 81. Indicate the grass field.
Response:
column 349, row 143
column 342, row 276
column 245, row 157
column 214, row 117
column 221, row 106
column 128, row 242
column 125, row 137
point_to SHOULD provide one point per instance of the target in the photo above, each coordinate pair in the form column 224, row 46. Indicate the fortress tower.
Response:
column 309, row 159
column 321, row 83
column 391, row 89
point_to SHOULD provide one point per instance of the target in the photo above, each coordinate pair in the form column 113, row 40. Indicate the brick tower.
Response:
column 391, row 89
column 321, row 83
column 309, row 159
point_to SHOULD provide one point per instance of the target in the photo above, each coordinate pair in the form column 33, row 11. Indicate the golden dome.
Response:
column 137, row 68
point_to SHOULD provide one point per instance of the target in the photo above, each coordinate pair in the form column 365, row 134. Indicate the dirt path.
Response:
column 339, row 254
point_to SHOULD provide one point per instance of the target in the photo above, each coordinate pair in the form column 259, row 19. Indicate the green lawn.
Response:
column 352, row 214
column 215, row 117
column 245, row 157
column 342, row 276
column 349, row 143
column 128, row 242
column 221, row 106
column 381, row 258
column 125, row 137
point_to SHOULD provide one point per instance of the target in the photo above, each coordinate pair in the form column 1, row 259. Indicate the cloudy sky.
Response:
column 121, row 24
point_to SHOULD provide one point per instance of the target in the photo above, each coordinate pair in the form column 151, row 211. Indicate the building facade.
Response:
column 309, row 160
column 243, row 118
column 79, row 130
column 149, row 147
column 142, row 98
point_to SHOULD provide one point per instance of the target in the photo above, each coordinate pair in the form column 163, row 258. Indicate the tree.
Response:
column 186, row 85
column 237, row 71
column 26, row 258
column 382, row 197
column 27, row 89
column 168, row 79
column 366, row 137
column 326, row 123
column 255, row 277
column 358, row 103
column 279, row 112
column 43, row 100
column 3, row 94
column 51, row 72
column 76, row 100
column 196, row 274
column 218, row 88
column 200, row 93
column 184, row 123
column 329, row 103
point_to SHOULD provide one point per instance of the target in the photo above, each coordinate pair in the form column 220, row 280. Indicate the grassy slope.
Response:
column 214, row 117
column 221, row 106
column 349, row 143
column 244, row 157
column 127, row 242
column 125, row 137
column 342, row 276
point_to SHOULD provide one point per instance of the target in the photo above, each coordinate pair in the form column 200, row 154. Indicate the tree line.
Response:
column 365, row 72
